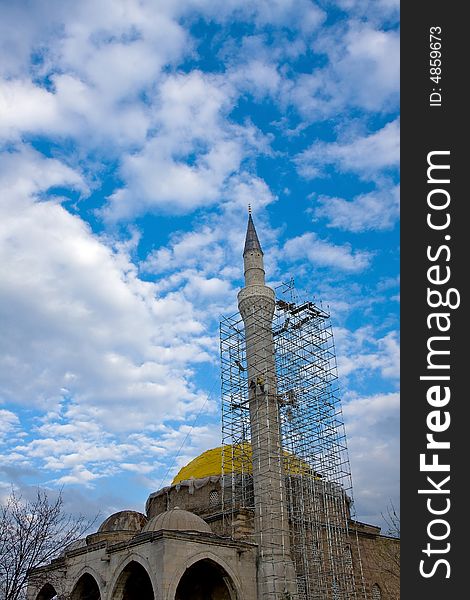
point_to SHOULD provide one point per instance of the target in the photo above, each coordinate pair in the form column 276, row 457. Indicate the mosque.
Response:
column 269, row 514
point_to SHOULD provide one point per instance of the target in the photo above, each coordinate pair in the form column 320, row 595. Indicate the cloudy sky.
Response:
column 133, row 134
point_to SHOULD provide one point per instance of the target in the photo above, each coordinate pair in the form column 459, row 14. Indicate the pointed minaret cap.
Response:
column 251, row 241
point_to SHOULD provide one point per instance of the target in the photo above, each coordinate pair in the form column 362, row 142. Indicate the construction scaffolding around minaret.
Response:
column 285, row 459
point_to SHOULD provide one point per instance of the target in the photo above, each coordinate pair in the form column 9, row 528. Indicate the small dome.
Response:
column 75, row 545
column 124, row 520
column 179, row 520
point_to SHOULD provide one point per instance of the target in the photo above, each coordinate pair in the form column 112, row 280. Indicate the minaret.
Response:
column 256, row 304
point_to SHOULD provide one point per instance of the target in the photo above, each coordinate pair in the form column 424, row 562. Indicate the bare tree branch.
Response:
column 32, row 532
column 392, row 518
column 389, row 551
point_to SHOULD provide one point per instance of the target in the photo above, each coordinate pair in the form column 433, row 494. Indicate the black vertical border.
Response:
column 425, row 129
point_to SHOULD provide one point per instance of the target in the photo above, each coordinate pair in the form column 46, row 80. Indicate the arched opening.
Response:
column 134, row 582
column 205, row 579
column 86, row 588
column 47, row 592
column 348, row 559
column 376, row 592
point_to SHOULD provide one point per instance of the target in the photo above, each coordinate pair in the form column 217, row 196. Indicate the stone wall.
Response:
column 152, row 562
column 380, row 556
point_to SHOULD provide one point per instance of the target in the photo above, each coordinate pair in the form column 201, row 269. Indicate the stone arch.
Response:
column 47, row 592
column 205, row 578
column 133, row 582
column 204, row 555
column 86, row 588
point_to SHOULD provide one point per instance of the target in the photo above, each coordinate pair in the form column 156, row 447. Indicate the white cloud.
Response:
column 362, row 71
column 205, row 264
column 81, row 457
column 367, row 66
column 77, row 449
column 93, row 64
column 25, row 107
column 78, row 320
column 361, row 413
column 367, row 155
column 209, row 287
column 72, row 109
column 259, row 77
column 376, row 210
column 194, row 156
column 361, row 353
column 106, row 87
column 25, row 174
column 101, row 80
column 244, row 190
column 99, row 352
column 324, row 254
column 9, row 423
column 372, row 429
column 195, row 248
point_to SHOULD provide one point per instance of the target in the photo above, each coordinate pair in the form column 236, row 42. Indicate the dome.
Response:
column 235, row 458
column 179, row 520
column 124, row 520
column 75, row 545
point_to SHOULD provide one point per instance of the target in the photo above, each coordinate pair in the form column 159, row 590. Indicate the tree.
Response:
column 32, row 532
column 389, row 551
column 392, row 518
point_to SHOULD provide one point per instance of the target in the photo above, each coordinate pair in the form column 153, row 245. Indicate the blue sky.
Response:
column 133, row 136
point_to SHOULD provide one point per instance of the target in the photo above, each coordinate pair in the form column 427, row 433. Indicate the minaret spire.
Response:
column 251, row 240
column 253, row 257
column 256, row 303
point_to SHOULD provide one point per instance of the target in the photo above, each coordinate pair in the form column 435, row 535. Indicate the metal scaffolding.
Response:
column 317, row 488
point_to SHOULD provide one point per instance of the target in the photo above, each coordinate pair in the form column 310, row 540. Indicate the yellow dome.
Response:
column 235, row 458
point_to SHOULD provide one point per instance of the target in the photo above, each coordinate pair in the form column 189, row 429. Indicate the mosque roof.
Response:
column 236, row 458
column 124, row 520
column 179, row 520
